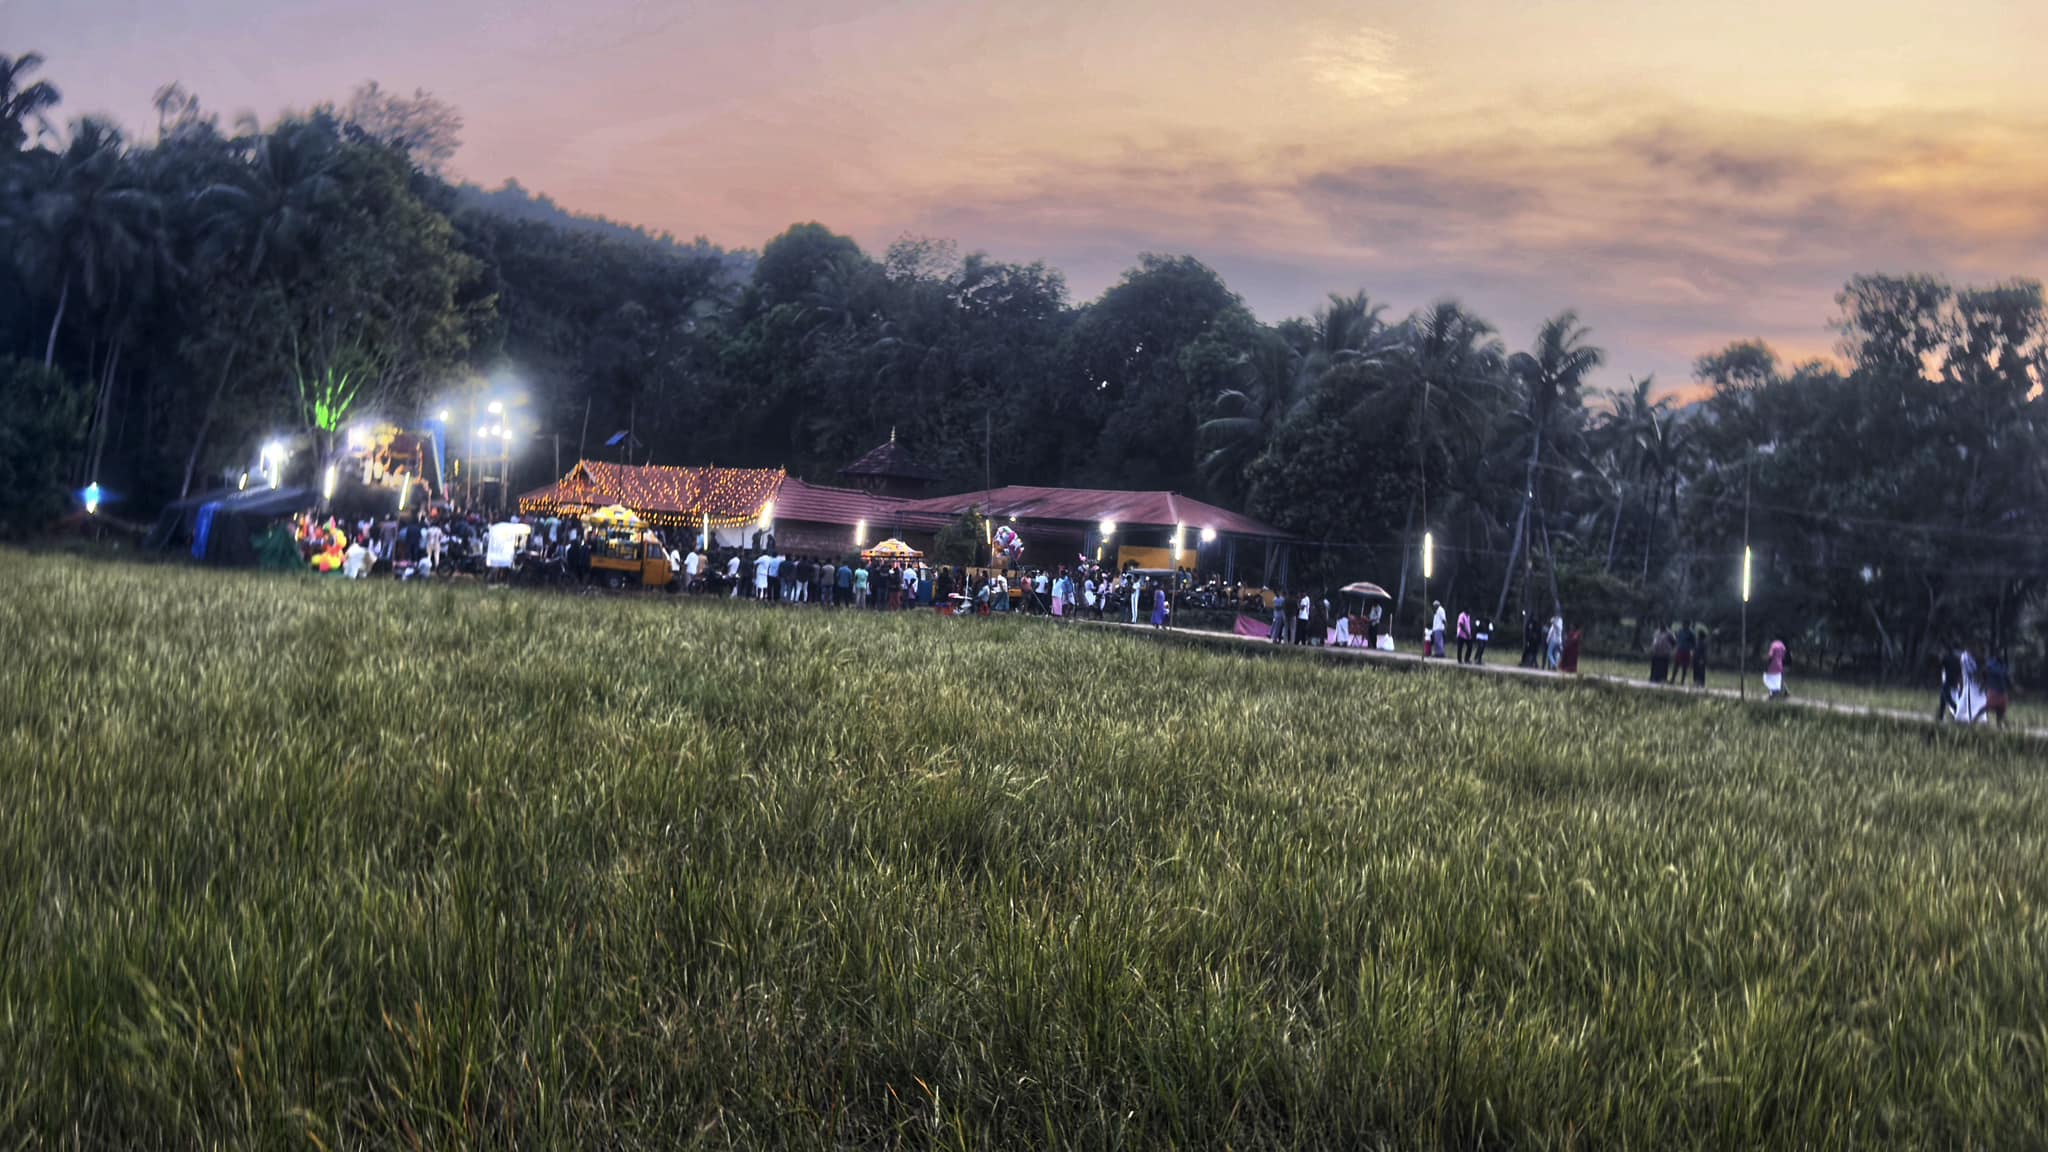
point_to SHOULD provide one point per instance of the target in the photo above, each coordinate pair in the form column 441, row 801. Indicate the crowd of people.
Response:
column 559, row 550
column 408, row 547
column 1972, row 692
column 770, row 574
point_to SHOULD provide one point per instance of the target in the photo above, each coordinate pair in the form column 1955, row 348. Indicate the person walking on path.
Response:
column 1482, row 631
column 1968, row 705
column 1774, row 671
column 1699, row 658
column 1662, row 645
column 1159, row 609
column 1569, row 662
column 1949, row 666
column 1278, row 632
column 1436, row 630
column 1301, row 612
column 1681, row 656
column 1997, row 684
column 1553, row 642
column 1464, row 637
column 1530, row 639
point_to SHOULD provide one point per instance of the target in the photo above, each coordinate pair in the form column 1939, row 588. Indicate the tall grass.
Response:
column 287, row 862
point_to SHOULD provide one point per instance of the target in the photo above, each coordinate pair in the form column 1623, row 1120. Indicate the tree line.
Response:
column 171, row 302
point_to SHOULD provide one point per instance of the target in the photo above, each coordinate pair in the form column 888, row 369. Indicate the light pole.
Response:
column 1179, row 532
column 1742, row 659
column 1428, row 573
column 505, row 466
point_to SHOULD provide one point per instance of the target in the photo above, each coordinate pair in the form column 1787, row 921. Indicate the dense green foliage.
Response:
column 44, row 429
column 445, row 867
column 209, row 289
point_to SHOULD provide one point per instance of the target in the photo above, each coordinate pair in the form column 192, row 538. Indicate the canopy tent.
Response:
column 1090, row 506
column 614, row 516
column 891, row 550
column 224, row 528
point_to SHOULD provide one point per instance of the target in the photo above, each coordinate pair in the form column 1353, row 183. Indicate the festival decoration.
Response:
column 892, row 549
column 1008, row 542
column 614, row 516
column 668, row 497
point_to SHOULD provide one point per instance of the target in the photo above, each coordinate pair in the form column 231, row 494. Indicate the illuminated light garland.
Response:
column 669, row 497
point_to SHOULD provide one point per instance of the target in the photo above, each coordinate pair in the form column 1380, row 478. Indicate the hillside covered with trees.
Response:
column 173, row 297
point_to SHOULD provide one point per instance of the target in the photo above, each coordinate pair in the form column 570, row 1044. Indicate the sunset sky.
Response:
column 1683, row 174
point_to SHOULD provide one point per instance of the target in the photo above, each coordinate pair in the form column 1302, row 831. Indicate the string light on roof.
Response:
column 673, row 497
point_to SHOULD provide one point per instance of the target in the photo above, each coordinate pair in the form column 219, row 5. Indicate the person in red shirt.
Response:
column 1774, row 671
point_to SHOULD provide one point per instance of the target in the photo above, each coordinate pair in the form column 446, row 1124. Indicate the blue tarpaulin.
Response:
column 203, row 528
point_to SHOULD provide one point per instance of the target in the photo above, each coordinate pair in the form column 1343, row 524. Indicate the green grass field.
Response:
column 292, row 863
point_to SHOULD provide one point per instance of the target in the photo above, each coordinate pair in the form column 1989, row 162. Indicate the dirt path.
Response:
column 1413, row 660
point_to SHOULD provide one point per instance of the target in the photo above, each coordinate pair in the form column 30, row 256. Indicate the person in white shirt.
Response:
column 355, row 562
column 1301, row 613
column 692, row 564
column 433, row 537
column 732, row 574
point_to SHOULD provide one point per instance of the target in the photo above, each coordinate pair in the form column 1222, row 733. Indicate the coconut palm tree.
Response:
column 23, row 102
column 1446, row 385
column 85, row 221
column 1279, row 374
column 1552, row 376
column 255, row 221
column 1618, row 436
column 1663, row 448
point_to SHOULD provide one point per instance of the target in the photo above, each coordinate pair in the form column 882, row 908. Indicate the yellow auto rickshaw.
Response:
column 623, row 551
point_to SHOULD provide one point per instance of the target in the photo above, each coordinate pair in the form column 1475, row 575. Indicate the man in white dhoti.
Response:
column 1966, row 697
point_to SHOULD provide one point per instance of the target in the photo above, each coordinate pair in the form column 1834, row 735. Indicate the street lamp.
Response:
column 1208, row 535
column 273, row 462
column 1742, row 657
column 1428, row 571
column 327, row 485
column 92, row 498
column 860, row 534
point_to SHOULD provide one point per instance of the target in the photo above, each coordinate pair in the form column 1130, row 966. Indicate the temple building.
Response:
column 754, row 507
